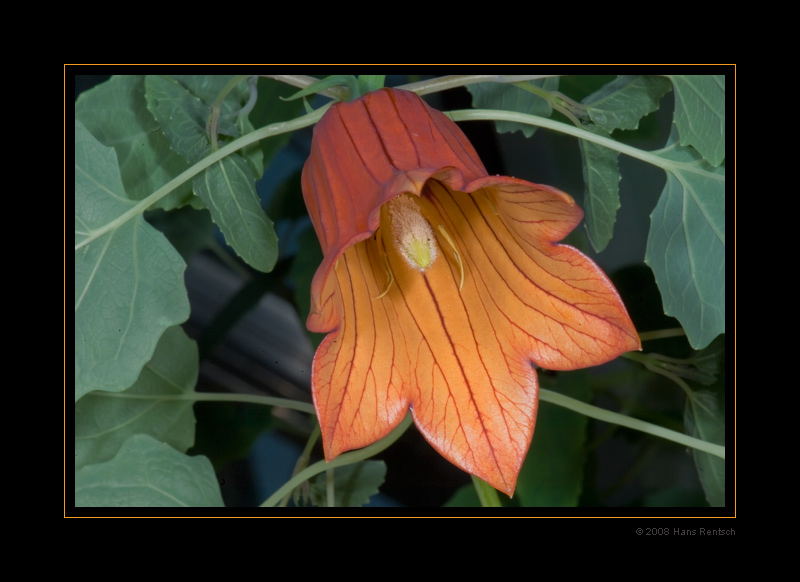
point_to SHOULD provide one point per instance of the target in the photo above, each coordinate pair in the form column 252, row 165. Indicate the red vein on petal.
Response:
column 485, row 433
column 555, row 300
column 356, row 142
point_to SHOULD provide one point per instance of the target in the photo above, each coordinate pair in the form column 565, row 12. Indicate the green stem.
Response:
column 453, row 81
column 340, row 461
column 627, row 421
column 486, row 493
column 216, row 397
column 419, row 87
column 545, row 396
column 649, row 157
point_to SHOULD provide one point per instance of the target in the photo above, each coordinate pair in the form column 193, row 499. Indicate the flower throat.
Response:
column 414, row 238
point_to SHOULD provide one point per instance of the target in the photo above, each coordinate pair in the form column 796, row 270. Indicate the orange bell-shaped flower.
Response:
column 442, row 288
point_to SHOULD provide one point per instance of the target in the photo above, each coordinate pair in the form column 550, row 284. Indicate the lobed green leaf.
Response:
column 686, row 244
column 128, row 278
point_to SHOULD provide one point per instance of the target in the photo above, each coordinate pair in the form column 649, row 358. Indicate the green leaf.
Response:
column 686, row 244
column 128, row 278
column 115, row 113
column 182, row 116
column 552, row 474
column 700, row 114
column 621, row 103
column 353, row 484
column 704, row 418
column 228, row 189
column 601, row 197
column 183, row 106
column 511, row 98
column 105, row 420
column 148, row 473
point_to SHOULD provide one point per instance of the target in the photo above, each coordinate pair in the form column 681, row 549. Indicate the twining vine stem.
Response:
column 544, row 395
column 649, row 157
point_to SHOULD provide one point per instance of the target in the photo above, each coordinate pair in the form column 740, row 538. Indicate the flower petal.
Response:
column 473, row 398
column 421, row 345
column 561, row 310
column 454, row 334
column 359, row 368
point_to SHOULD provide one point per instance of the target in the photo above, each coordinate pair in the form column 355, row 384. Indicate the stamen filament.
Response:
column 389, row 273
column 455, row 252
column 490, row 203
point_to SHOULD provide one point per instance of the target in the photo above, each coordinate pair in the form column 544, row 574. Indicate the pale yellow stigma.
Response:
column 412, row 233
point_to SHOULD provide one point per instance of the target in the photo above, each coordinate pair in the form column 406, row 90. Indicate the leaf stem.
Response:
column 627, row 421
column 216, row 397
